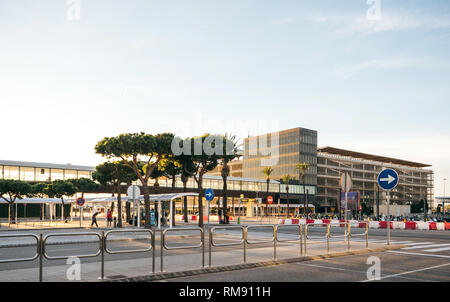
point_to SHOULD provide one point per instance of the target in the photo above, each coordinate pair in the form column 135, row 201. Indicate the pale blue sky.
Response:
column 373, row 86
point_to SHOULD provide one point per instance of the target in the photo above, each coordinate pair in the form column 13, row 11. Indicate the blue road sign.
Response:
column 388, row 179
column 209, row 194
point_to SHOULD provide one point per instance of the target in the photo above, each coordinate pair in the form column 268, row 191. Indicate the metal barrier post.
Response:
column 301, row 238
column 103, row 256
column 305, row 236
column 328, row 239
column 41, row 257
column 348, row 236
column 210, row 245
column 154, row 252
column 245, row 245
column 275, row 236
column 203, row 247
column 162, row 250
column 367, row 235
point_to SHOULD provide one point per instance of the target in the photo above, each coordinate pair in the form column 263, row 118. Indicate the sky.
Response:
column 369, row 75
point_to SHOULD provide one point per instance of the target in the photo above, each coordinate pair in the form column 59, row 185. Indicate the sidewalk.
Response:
column 174, row 263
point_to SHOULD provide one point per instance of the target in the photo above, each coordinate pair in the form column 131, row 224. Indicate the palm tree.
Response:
column 302, row 168
column 286, row 180
column 235, row 153
column 267, row 171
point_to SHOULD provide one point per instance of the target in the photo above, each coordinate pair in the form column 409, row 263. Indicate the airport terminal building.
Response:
column 282, row 150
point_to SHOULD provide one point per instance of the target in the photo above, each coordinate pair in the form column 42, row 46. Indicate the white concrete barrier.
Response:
column 440, row 226
column 398, row 225
column 374, row 225
column 288, row 221
column 318, row 221
column 423, row 226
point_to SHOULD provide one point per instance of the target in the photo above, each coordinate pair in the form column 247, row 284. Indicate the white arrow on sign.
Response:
column 208, row 194
column 389, row 179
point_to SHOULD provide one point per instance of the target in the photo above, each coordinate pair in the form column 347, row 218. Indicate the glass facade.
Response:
column 41, row 174
column 294, row 146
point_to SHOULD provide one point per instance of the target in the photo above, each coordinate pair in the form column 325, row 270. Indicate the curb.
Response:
column 219, row 269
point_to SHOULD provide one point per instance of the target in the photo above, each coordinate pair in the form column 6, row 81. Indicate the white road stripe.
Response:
column 418, row 254
column 411, row 272
column 420, row 243
column 425, row 246
column 438, row 250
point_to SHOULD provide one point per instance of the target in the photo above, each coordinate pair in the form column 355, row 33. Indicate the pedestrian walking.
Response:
column 219, row 212
column 109, row 218
column 94, row 219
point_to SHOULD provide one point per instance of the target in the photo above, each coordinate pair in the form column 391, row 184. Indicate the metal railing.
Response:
column 151, row 248
column 213, row 243
column 23, row 236
column 183, row 247
column 104, row 248
column 300, row 232
column 327, row 235
column 273, row 239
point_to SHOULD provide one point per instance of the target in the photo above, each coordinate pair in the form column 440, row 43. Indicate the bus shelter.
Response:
column 156, row 199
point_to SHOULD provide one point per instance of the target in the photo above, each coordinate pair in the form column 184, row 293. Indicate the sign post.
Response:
column 387, row 180
column 209, row 195
column 133, row 192
column 346, row 185
column 80, row 202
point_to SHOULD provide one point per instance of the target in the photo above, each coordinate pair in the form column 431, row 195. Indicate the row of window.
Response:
column 41, row 174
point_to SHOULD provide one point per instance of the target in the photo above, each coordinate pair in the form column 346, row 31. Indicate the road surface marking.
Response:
column 411, row 272
column 438, row 250
column 418, row 254
column 425, row 246
column 354, row 271
column 419, row 243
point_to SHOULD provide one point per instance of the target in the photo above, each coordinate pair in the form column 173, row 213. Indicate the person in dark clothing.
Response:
column 94, row 219
column 219, row 213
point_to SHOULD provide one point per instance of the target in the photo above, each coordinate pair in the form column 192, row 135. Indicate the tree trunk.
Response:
column 186, row 220
column 146, row 205
column 119, row 207
column 128, row 210
column 200, row 201
column 225, row 197
column 12, row 213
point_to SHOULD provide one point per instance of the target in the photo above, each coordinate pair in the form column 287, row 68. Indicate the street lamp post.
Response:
column 443, row 202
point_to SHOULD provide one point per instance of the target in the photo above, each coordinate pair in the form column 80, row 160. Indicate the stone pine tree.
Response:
column 59, row 189
column 230, row 151
column 10, row 191
column 204, row 156
column 114, row 174
column 133, row 148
